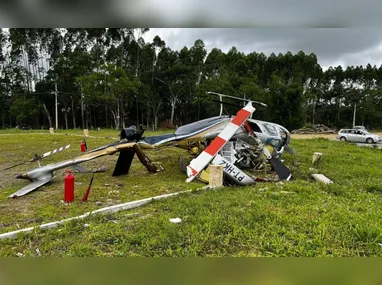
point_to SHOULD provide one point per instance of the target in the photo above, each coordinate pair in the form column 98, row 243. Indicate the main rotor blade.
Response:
column 238, row 98
column 199, row 163
column 30, row 187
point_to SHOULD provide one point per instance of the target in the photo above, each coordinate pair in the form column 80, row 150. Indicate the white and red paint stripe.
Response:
column 198, row 164
column 55, row 151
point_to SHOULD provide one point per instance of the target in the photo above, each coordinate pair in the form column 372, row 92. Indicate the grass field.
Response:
column 296, row 218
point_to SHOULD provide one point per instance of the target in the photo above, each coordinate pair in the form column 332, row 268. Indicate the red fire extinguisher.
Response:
column 69, row 187
column 83, row 146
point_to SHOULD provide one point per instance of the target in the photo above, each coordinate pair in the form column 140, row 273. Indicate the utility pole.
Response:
column 82, row 107
column 137, row 110
column 355, row 108
column 55, row 93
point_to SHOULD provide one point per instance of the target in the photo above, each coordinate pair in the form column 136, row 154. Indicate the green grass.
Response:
column 296, row 218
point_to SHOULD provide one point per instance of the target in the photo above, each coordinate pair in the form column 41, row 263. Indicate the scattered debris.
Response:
column 176, row 220
column 19, row 254
column 316, row 157
column 98, row 203
column 286, row 192
column 131, row 214
column 315, row 129
column 65, row 203
column 263, row 189
column 322, row 178
column 114, row 193
column 38, row 252
column 86, row 225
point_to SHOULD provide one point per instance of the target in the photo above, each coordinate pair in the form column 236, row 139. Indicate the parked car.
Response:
column 359, row 136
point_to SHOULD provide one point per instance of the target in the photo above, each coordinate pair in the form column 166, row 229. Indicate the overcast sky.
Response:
column 333, row 46
column 339, row 32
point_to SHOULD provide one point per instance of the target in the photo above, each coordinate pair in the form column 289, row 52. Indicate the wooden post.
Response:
column 86, row 132
column 51, row 130
column 216, row 176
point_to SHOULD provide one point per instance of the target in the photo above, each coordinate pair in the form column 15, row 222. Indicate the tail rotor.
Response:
column 37, row 157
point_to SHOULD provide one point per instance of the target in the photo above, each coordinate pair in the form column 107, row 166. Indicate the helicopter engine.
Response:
column 244, row 154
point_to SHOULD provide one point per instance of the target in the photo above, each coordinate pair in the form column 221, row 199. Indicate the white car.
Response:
column 361, row 128
column 359, row 136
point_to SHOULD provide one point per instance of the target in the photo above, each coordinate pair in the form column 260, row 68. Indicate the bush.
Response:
column 166, row 124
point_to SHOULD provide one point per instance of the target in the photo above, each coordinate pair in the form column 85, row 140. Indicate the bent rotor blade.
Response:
column 282, row 171
column 198, row 164
column 30, row 187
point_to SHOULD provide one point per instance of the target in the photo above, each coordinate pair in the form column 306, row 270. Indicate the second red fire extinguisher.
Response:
column 83, row 146
column 68, row 187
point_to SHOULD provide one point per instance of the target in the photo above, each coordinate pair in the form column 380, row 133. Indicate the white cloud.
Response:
column 332, row 46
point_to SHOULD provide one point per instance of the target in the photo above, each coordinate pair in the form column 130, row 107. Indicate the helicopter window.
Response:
column 271, row 129
column 255, row 127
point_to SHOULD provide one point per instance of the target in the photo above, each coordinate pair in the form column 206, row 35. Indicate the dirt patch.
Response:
column 314, row 136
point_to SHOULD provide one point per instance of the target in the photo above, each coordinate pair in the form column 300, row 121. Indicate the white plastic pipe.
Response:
column 107, row 210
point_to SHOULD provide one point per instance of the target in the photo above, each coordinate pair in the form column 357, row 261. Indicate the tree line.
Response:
column 111, row 77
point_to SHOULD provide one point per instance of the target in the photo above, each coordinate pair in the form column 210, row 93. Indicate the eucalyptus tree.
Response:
column 110, row 85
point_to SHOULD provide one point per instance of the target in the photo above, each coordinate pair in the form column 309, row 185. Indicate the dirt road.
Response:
column 315, row 136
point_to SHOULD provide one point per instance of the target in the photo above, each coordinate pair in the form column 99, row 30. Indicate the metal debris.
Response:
column 316, row 158
column 322, row 178
column 176, row 220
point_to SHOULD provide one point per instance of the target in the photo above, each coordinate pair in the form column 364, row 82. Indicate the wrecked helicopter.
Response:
column 236, row 142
